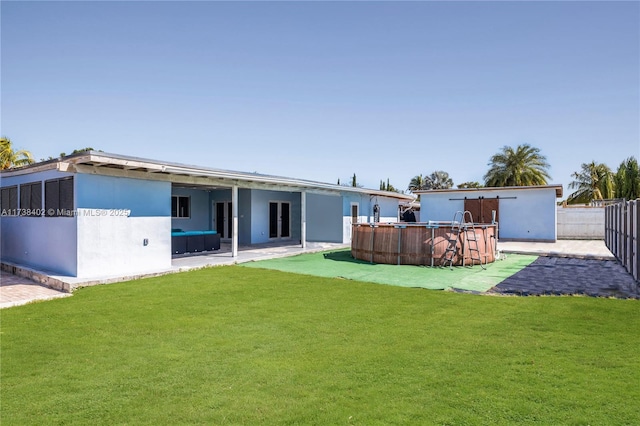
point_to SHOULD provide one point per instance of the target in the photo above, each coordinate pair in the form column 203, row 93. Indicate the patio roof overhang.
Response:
column 100, row 163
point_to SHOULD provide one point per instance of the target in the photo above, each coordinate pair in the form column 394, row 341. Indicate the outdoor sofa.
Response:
column 194, row 241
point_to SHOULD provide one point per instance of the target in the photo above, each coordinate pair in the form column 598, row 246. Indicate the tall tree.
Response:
column 10, row 158
column 438, row 180
column 387, row 186
column 417, row 183
column 354, row 181
column 627, row 179
column 593, row 182
column 522, row 166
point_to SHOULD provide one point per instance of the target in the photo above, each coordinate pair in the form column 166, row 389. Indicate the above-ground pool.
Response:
column 422, row 243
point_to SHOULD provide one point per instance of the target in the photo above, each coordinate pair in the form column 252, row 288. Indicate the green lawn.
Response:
column 236, row 345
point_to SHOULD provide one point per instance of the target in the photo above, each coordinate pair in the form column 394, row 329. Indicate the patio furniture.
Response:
column 194, row 241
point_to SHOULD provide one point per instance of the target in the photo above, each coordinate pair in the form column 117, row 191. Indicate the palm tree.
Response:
column 627, row 179
column 593, row 182
column 438, row 180
column 523, row 166
column 10, row 158
column 417, row 183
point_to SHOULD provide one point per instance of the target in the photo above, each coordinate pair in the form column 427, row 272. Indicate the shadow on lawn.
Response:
column 344, row 256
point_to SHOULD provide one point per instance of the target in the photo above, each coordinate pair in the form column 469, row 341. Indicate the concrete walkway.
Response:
column 579, row 249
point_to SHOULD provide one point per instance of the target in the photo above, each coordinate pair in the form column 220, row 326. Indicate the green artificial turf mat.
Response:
column 340, row 264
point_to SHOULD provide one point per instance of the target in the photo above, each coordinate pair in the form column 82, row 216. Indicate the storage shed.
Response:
column 523, row 213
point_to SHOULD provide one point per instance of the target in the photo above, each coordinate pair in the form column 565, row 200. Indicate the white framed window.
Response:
column 180, row 206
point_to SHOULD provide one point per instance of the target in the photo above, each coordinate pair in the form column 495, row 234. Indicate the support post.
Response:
column 433, row 247
column 234, row 208
column 399, row 242
column 373, row 232
column 303, row 219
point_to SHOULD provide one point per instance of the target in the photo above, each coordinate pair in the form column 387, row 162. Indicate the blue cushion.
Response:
column 191, row 233
column 182, row 233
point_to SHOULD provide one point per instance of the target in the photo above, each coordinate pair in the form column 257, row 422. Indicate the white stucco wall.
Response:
column 114, row 245
column 584, row 223
column 525, row 214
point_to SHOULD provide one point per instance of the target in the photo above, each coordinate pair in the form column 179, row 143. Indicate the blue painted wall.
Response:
column 388, row 206
column 142, row 197
column 200, row 210
column 45, row 243
column 324, row 218
column 244, row 211
column 260, row 214
column 365, row 207
column 244, row 216
column 217, row 196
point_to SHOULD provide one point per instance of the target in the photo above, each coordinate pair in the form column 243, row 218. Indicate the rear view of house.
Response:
column 93, row 213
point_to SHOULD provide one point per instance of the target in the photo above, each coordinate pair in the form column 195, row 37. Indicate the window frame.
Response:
column 178, row 199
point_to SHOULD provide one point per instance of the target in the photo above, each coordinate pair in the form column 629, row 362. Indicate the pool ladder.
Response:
column 460, row 225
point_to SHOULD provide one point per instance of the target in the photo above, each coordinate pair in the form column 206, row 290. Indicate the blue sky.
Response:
column 322, row 90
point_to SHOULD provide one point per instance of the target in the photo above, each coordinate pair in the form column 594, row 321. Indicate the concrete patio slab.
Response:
column 580, row 249
column 220, row 257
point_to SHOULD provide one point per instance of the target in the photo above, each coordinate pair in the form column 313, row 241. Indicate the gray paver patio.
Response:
column 16, row 291
column 571, row 276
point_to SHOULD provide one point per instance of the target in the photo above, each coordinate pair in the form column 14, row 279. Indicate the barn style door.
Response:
column 481, row 208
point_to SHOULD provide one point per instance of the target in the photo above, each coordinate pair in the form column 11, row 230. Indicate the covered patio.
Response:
column 183, row 263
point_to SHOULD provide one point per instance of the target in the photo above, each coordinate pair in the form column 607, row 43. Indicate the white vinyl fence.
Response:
column 621, row 234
